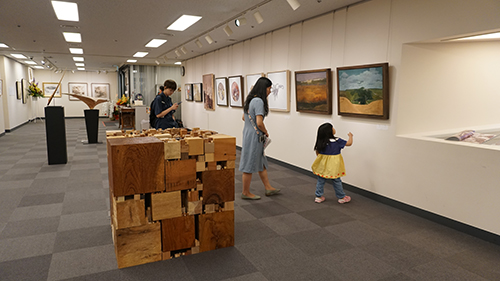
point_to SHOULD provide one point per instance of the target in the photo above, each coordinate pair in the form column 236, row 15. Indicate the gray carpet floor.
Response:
column 55, row 225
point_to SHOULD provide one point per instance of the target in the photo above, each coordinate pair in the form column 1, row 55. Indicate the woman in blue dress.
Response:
column 252, row 152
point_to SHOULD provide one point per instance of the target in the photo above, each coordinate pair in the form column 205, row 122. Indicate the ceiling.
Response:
column 114, row 30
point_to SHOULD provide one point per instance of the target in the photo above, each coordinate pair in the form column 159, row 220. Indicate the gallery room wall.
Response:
column 444, row 179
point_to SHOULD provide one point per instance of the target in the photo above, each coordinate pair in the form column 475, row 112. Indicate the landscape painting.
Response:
column 363, row 91
column 197, row 92
column 313, row 90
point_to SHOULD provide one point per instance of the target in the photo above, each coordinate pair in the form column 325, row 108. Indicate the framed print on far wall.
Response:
column 221, row 87
column 198, row 92
column 236, row 91
column 24, row 85
column 77, row 89
column 49, row 88
column 19, row 90
column 279, row 99
column 100, row 90
column 251, row 79
column 313, row 89
column 188, row 90
column 1, row 87
column 363, row 91
column 208, row 91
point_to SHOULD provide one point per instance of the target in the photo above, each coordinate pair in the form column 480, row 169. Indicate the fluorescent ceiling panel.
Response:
column 38, row 67
column 65, row 10
column 495, row 35
column 72, row 37
column 155, row 43
column 78, row 59
column 76, row 50
column 2, row 45
column 19, row 56
column 140, row 54
column 79, row 64
column 131, row 60
column 81, row 68
column 29, row 62
column 178, row 63
column 183, row 22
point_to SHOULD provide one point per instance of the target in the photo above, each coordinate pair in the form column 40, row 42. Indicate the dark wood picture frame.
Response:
column 313, row 91
column 363, row 91
column 236, row 86
column 221, row 86
column 208, row 91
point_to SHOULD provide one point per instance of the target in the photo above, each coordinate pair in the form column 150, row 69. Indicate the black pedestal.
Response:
column 92, row 124
column 55, row 130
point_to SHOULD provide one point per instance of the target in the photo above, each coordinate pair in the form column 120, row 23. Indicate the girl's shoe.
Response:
column 345, row 199
column 319, row 199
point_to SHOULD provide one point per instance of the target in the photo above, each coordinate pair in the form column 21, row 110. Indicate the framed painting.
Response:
column 100, row 90
column 221, row 86
column 208, row 91
column 1, row 87
column 49, row 88
column 188, row 91
column 197, row 92
column 279, row 99
column 251, row 79
column 313, row 90
column 236, row 94
column 77, row 89
column 363, row 91
column 19, row 90
column 24, row 86
column 30, row 74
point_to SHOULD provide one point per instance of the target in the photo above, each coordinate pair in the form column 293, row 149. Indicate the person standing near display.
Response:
column 164, row 108
column 252, row 150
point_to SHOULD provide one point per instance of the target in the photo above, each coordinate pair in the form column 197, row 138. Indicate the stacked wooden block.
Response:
column 171, row 192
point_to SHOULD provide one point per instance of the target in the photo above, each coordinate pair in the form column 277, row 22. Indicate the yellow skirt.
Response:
column 329, row 166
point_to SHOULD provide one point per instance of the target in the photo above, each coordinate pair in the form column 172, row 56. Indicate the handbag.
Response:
column 265, row 140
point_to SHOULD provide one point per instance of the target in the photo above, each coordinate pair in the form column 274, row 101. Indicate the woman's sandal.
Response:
column 272, row 192
column 244, row 197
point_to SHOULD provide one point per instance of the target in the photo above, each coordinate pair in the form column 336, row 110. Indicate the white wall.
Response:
column 13, row 111
column 458, row 182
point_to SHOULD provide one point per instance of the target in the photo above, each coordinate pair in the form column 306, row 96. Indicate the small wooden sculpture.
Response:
column 91, row 102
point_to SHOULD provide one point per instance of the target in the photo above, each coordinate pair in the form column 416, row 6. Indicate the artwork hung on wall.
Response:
column 77, row 89
column 30, row 74
column 197, row 92
column 313, row 90
column 235, row 94
column 188, row 90
column 251, row 79
column 363, row 91
column 24, row 86
column 208, row 91
column 1, row 87
column 19, row 90
column 279, row 98
column 221, row 86
column 49, row 88
column 100, row 90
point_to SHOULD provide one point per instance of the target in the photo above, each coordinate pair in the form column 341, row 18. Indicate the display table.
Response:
column 127, row 118
column 171, row 193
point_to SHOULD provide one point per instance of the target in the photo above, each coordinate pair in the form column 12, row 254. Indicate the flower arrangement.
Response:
column 34, row 90
column 122, row 101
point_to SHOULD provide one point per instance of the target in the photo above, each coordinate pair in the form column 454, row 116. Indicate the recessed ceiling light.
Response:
column 66, row 10
column 178, row 62
column 79, row 64
column 38, row 67
column 2, row 45
column 140, row 54
column 76, row 50
column 19, row 56
column 78, row 59
column 81, row 68
column 29, row 62
column 72, row 37
column 131, row 60
column 495, row 35
column 155, row 43
column 183, row 22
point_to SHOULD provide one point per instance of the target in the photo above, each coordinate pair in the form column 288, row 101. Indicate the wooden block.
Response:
column 230, row 164
column 166, row 205
column 135, row 165
column 196, row 145
column 228, row 206
column 200, row 166
column 194, row 207
column 224, row 147
column 209, row 208
column 193, row 195
column 172, row 150
column 165, row 256
column 180, row 174
column 201, row 158
column 212, row 166
column 216, row 230
column 218, row 186
column 209, row 147
column 178, row 233
column 210, row 157
column 128, row 213
column 138, row 245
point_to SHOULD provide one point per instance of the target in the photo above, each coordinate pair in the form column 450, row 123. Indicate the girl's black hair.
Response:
column 259, row 90
column 325, row 133
column 162, row 88
column 170, row 84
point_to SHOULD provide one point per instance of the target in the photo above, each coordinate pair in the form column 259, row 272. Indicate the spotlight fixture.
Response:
column 228, row 30
column 184, row 50
column 157, row 62
column 198, row 43
column 258, row 17
column 240, row 21
column 209, row 39
column 294, row 4
column 177, row 53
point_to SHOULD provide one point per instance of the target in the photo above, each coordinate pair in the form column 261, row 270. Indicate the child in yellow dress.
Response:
column 329, row 163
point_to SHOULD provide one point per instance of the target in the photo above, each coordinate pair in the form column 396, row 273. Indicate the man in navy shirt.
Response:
column 164, row 108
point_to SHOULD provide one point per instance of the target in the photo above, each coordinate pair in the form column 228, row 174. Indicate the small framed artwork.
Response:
column 221, row 86
column 313, row 90
column 1, row 87
column 19, row 90
column 197, row 92
column 363, row 91
column 235, row 88
column 49, row 88
column 30, row 74
column 188, row 90
column 279, row 99
column 77, row 89
column 251, row 79
column 208, row 91
column 100, row 90
column 24, row 86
